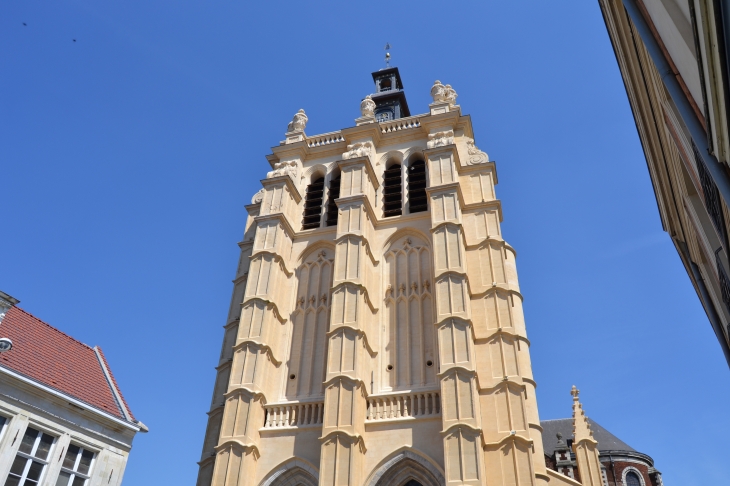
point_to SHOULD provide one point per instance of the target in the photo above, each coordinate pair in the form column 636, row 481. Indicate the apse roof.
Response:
column 606, row 440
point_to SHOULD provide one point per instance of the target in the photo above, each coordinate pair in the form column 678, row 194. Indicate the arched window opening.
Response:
column 417, row 199
column 331, row 206
column 313, row 204
column 632, row 479
column 386, row 84
column 392, row 191
column 413, row 482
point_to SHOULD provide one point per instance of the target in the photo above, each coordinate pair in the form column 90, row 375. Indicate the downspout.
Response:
column 698, row 134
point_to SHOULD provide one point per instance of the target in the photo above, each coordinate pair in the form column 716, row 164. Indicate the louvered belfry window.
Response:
column 417, row 199
column 313, row 204
column 331, row 206
column 392, row 191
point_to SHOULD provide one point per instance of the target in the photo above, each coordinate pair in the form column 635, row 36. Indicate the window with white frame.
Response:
column 632, row 479
column 76, row 467
column 32, row 459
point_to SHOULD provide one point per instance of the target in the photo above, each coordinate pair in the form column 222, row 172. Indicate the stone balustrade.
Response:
column 400, row 124
column 293, row 415
column 325, row 139
column 406, row 405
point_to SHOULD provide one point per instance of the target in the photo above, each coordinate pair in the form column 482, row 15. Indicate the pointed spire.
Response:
column 581, row 427
column 585, row 446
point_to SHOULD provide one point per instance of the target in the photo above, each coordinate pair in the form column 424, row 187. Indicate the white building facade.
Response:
column 63, row 420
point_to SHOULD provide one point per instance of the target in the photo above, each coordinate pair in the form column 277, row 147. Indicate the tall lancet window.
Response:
column 417, row 199
column 331, row 205
column 392, row 191
column 313, row 204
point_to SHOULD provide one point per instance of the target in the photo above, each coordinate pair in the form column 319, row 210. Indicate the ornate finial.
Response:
column 387, row 55
column 298, row 123
column 559, row 436
column 438, row 92
column 574, row 391
column 367, row 107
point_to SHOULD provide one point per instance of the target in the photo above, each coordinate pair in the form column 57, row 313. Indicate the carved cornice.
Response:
column 445, row 188
column 293, row 190
column 278, row 258
column 496, row 287
column 225, row 364
column 504, row 382
column 500, row 331
column 278, row 217
column 249, row 342
column 366, row 162
column 246, row 447
column 362, row 199
column 357, row 382
column 491, row 204
column 269, row 305
column 362, row 237
column 253, row 394
column 359, row 332
column 456, row 427
column 455, row 369
column 484, row 243
column 362, row 289
column 353, row 438
column 513, row 436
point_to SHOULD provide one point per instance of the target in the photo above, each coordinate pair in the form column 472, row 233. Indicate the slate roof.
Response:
column 606, row 440
column 46, row 355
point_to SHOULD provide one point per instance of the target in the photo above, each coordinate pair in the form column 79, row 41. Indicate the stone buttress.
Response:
column 253, row 347
column 352, row 327
column 491, row 428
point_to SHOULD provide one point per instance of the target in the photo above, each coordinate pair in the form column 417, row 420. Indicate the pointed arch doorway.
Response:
column 407, row 468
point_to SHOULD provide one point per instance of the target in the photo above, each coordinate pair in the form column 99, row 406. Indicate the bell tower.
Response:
column 376, row 334
column 389, row 97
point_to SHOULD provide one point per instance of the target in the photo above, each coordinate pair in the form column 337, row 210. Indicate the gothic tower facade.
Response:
column 376, row 334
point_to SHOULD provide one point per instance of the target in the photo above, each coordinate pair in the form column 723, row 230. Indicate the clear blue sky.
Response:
column 126, row 159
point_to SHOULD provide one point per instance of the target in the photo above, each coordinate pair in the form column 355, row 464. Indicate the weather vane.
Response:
column 387, row 54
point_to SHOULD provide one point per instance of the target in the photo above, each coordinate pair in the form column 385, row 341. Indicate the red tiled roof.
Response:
column 45, row 354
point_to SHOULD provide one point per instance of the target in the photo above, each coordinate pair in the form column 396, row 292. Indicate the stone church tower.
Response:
column 376, row 334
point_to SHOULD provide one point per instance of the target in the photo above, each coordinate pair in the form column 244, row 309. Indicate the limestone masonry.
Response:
column 376, row 333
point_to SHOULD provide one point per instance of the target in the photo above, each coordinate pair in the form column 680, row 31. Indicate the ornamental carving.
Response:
column 258, row 197
column 441, row 93
column 289, row 168
column 450, row 94
column 440, row 139
column 359, row 149
column 438, row 92
column 367, row 107
column 298, row 123
column 476, row 156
